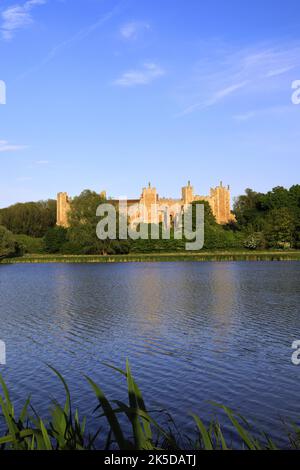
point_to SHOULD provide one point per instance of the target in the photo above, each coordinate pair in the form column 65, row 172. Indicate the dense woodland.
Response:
column 263, row 221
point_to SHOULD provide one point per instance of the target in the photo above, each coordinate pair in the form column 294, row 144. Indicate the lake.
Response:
column 193, row 332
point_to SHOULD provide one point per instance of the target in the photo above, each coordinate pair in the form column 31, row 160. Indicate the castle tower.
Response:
column 63, row 207
column 220, row 204
column 149, row 201
column 187, row 194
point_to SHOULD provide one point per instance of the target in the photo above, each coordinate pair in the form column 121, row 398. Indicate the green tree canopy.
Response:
column 83, row 209
column 54, row 239
column 82, row 237
column 274, row 215
column 8, row 244
column 281, row 228
column 30, row 218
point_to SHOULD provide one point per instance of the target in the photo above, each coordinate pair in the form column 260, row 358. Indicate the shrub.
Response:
column 30, row 244
column 8, row 244
column 55, row 239
column 254, row 241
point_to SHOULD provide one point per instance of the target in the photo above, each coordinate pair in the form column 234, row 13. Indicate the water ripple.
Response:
column 192, row 331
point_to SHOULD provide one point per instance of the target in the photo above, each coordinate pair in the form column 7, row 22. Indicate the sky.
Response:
column 110, row 95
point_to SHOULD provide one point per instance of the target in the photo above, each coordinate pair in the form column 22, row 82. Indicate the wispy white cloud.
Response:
column 42, row 162
column 5, row 146
column 131, row 30
column 17, row 17
column 215, row 98
column 271, row 110
column 276, row 73
column 74, row 39
column 142, row 76
column 224, row 72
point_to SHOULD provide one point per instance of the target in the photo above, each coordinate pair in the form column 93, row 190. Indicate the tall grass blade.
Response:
column 46, row 438
column 204, row 433
column 110, row 415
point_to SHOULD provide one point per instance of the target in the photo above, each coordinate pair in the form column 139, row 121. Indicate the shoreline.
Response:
column 158, row 257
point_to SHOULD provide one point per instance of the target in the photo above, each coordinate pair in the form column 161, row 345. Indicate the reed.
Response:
column 65, row 430
column 230, row 255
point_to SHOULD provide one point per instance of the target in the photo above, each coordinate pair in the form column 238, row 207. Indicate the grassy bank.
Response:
column 125, row 425
column 230, row 255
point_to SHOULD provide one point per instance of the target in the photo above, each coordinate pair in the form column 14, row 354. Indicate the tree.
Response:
column 83, row 209
column 254, row 241
column 8, row 244
column 55, row 239
column 248, row 209
column 82, row 237
column 277, row 198
column 275, row 214
column 215, row 236
column 31, row 218
column 281, row 228
column 295, row 196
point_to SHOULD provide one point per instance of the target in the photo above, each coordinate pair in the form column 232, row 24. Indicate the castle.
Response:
column 150, row 207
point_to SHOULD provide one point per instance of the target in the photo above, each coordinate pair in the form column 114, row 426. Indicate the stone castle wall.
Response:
column 149, row 206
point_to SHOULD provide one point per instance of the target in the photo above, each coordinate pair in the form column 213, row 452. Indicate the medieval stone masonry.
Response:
column 150, row 207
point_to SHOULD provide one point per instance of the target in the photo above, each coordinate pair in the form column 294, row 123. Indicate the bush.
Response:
column 8, row 244
column 255, row 241
column 55, row 239
column 217, row 237
column 30, row 244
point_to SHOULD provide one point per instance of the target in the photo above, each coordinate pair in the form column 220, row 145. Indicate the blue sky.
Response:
column 106, row 94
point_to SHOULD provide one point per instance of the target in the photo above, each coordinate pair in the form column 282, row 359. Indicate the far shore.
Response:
column 224, row 255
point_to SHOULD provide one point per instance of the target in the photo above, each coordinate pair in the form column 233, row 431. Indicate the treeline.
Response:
column 31, row 218
column 22, row 227
column 270, row 220
column 80, row 237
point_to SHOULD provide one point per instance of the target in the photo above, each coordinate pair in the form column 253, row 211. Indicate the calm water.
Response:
column 192, row 331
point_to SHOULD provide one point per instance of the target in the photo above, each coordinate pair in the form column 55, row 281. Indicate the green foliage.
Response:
column 83, row 209
column 270, row 220
column 254, row 241
column 215, row 236
column 82, row 239
column 54, row 239
column 275, row 215
column 157, row 246
column 248, row 209
column 8, row 244
column 281, row 228
column 31, row 218
column 81, row 235
column 130, row 426
column 30, row 245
